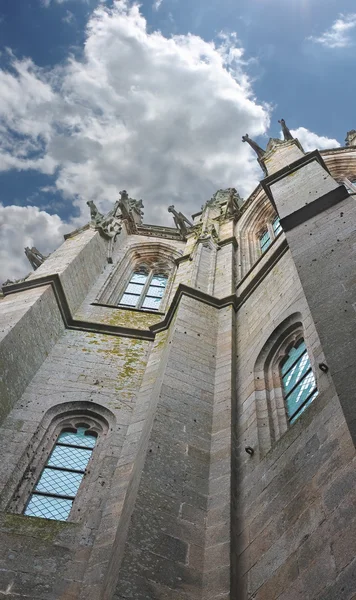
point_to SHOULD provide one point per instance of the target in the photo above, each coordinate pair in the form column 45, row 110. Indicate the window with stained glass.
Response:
column 57, row 487
column 277, row 228
column 144, row 290
column 265, row 240
column 298, row 381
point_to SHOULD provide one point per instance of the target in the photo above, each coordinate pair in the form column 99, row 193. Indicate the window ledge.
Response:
column 130, row 308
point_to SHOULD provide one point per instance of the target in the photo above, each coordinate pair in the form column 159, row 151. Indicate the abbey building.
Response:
column 178, row 404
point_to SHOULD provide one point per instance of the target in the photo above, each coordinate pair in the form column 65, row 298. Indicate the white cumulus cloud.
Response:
column 339, row 34
column 312, row 141
column 161, row 117
column 22, row 226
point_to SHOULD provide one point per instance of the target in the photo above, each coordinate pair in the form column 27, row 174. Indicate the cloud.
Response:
column 157, row 4
column 338, row 36
column 312, row 141
column 69, row 17
column 26, row 226
column 160, row 117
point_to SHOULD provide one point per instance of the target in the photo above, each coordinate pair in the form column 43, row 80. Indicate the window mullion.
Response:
column 145, row 290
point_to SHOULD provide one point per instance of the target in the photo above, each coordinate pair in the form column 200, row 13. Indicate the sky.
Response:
column 97, row 96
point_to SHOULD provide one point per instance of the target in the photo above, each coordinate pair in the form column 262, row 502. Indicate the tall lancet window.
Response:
column 144, row 290
column 298, row 381
column 57, row 487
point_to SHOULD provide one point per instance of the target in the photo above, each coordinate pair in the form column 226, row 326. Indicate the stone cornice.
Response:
column 231, row 240
column 149, row 334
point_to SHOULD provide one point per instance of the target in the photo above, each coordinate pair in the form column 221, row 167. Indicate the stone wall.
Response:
column 172, row 507
column 293, row 506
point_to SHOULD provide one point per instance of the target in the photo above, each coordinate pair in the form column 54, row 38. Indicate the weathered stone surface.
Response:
column 172, row 507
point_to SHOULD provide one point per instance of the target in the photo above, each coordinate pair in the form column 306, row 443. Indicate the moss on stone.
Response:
column 45, row 529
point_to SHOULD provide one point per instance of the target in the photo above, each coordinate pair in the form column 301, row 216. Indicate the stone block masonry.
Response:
column 171, row 505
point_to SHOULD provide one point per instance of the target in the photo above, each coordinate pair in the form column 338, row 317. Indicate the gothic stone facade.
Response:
column 198, row 487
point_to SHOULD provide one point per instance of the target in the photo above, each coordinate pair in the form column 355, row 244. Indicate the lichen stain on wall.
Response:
column 127, row 356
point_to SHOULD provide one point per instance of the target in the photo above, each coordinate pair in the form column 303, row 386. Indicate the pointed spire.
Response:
column 286, row 133
column 259, row 151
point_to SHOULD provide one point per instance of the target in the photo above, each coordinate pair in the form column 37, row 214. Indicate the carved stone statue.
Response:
column 35, row 257
column 131, row 209
column 95, row 215
column 180, row 220
column 286, row 133
column 259, row 151
column 351, row 138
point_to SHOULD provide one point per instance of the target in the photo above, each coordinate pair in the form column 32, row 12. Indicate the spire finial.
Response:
column 286, row 133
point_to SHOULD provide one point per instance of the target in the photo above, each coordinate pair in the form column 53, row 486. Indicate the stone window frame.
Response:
column 100, row 421
column 257, row 219
column 271, row 412
column 157, row 258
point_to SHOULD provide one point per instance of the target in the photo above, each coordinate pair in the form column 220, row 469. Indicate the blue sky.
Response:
column 93, row 100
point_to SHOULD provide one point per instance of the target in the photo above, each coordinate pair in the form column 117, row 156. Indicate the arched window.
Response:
column 58, row 484
column 144, row 290
column 285, row 383
column 298, row 382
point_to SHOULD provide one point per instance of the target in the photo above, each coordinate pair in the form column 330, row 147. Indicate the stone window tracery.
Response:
column 144, row 290
column 142, row 279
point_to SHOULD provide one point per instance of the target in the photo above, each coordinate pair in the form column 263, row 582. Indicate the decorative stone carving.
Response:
column 351, row 138
column 286, row 132
column 35, row 257
column 209, row 232
column 95, row 215
column 180, row 220
column 109, row 225
column 131, row 209
column 259, row 151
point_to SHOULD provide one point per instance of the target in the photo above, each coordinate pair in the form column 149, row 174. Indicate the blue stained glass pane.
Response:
column 61, row 483
column 69, row 458
column 296, row 372
column 77, row 439
column 134, row 288
column 159, row 281
column 296, row 416
column 49, row 508
column 155, row 291
column 152, row 303
column 129, row 300
column 265, row 241
column 293, row 355
column 139, row 278
column 300, row 394
column 276, row 226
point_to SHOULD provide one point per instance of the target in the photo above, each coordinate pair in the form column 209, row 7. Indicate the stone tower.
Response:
column 178, row 410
